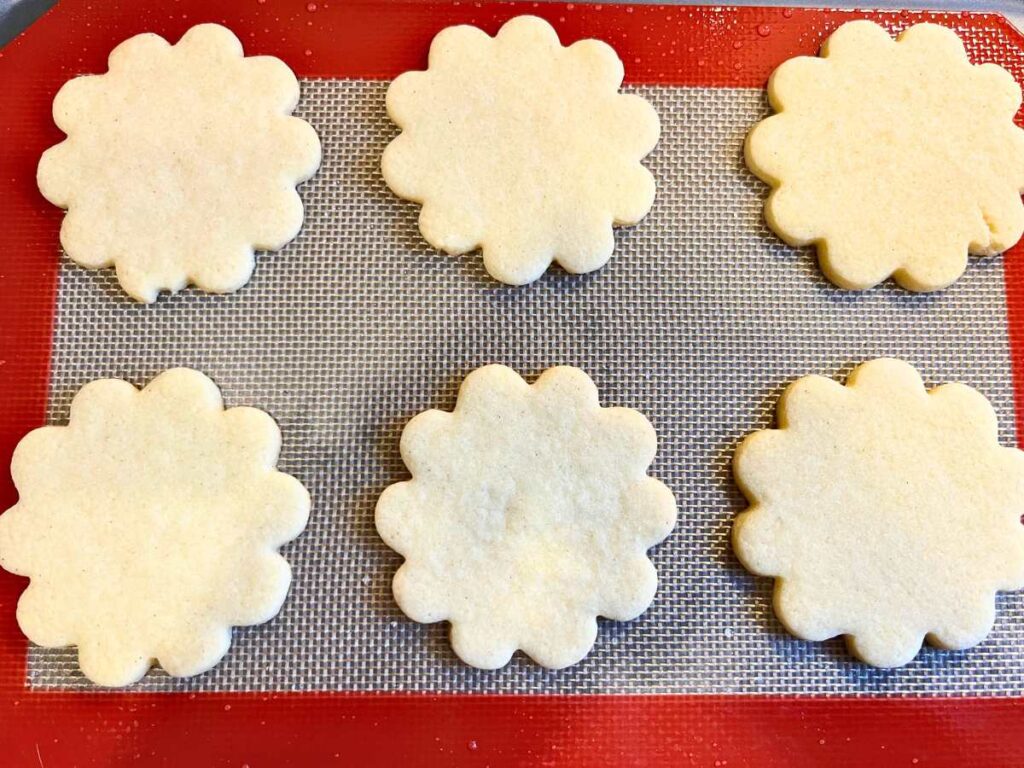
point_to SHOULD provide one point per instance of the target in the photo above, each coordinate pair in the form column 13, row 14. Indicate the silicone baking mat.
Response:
column 699, row 320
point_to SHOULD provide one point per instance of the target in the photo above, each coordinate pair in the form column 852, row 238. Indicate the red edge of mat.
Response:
column 736, row 47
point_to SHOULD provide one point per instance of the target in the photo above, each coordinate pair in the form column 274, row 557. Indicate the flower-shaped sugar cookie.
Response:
column 149, row 526
column 885, row 511
column 521, row 147
column 529, row 513
column 896, row 157
column 179, row 162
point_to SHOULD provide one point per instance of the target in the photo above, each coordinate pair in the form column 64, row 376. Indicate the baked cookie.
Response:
column 179, row 162
column 895, row 157
column 149, row 526
column 521, row 147
column 885, row 511
column 529, row 514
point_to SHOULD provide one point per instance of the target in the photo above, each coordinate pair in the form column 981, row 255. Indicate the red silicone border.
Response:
column 377, row 39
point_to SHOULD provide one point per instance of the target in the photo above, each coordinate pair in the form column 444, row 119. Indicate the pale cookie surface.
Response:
column 885, row 511
column 149, row 526
column 529, row 514
column 521, row 147
column 896, row 157
column 179, row 162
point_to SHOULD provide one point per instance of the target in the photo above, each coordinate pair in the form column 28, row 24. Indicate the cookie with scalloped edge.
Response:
column 180, row 161
column 521, row 147
column 885, row 511
column 894, row 157
column 529, row 513
column 149, row 526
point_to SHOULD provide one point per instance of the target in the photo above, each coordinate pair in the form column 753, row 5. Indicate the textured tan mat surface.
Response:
column 699, row 320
